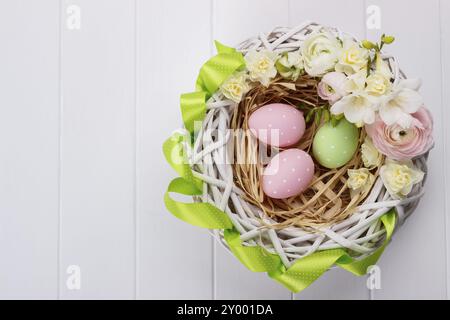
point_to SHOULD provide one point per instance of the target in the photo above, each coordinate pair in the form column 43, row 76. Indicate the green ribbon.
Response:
column 203, row 215
column 308, row 269
column 211, row 76
column 304, row 271
column 193, row 108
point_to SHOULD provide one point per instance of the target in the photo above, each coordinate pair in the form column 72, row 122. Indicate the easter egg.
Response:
column 288, row 174
column 333, row 147
column 277, row 124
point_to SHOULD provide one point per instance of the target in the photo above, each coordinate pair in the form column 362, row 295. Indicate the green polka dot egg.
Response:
column 333, row 147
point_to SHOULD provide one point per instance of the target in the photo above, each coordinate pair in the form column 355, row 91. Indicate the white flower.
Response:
column 356, row 81
column 235, row 87
column 332, row 86
column 397, row 106
column 261, row 65
column 399, row 177
column 320, row 53
column 377, row 84
column 290, row 65
column 353, row 57
column 359, row 181
column 358, row 108
column 382, row 67
column 369, row 154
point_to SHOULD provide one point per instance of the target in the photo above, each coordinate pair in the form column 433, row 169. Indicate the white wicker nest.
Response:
column 362, row 232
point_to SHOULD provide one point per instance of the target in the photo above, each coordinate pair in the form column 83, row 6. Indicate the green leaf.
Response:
column 335, row 119
column 309, row 115
column 318, row 117
column 326, row 115
column 369, row 63
column 301, row 106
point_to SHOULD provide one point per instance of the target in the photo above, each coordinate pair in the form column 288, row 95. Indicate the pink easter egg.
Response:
column 288, row 174
column 277, row 124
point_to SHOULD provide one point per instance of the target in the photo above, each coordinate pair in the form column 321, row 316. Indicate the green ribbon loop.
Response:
column 255, row 258
column 218, row 69
column 359, row 267
column 211, row 76
column 307, row 270
column 193, row 108
column 174, row 152
column 203, row 215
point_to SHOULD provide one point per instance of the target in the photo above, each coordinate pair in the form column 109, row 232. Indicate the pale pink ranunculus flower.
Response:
column 400, row 143
column 332, row 86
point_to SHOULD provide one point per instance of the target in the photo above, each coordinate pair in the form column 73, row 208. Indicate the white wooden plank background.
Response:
column 174, row 259
column 410, row 277
column 29, row 148
column 83, row 114
column 98, row 150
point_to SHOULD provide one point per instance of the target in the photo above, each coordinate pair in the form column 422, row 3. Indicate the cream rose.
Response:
column 352, row 58
column 261, row 65
column 369, row 154
column 235, row 87
column 377, row 84
column 290, row 65
column 320, row 53
column 359, row 181
column 400, row 177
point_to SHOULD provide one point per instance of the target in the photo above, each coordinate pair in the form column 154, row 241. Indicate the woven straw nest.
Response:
column 322, row 217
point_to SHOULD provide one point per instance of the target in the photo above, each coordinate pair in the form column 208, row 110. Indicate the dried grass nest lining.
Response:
column 327, row 200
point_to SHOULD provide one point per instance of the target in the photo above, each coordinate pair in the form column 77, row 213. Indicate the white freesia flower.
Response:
column 320, row 53
column 235, row 87
column 397, row 106
column 399, row 177
column 382, row 67
column 356, row 81
column 358, row 108
column 261, row 65
column 352, row 58
column 359, row 181
column 290, row 65
column 369, row 154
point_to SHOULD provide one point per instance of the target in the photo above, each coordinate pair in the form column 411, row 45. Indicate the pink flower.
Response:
column 331, row 88
column 400, row 143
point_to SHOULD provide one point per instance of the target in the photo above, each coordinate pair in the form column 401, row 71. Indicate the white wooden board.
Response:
column 29, row 152
column 98, row 150
column 174, row 258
